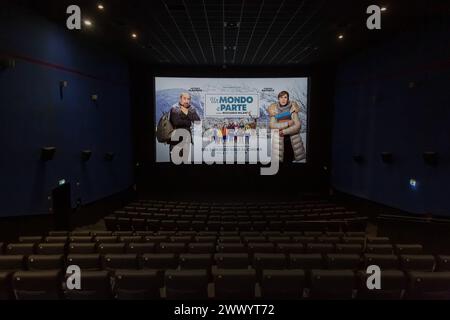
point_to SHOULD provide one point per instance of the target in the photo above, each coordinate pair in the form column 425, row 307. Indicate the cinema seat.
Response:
column 355, row 234
column 349, row 248
column 155, row 239
column 20, row 249
column 111, row 248
column 137, row 285
column 82, row 248
column 58, row 233
column 112, row 262
column 159, row 261
column 88, row 262
column 33, row 240
column 51, row 248
column 354, row 240
column 307, row 261
column 95, row 285
column 144, row 234
column 338, row 234
column 12, row 263
column 101, row 233
column 232, row 284
column 379, row 249
column 196, row 262
column 443, row 263
column 167, row 247
column 232, row 260
column 378, row 240
column 254, row 248
column 80, row 234
column 320, row 248
column 37, row 285
column 283, row 284
column 140, row 248
column 343, row 261
column 279, row 239
column 288, row 248
column 332, row 284
column 303, row 239
column 105, row 239
column 384, row 261
column 232, row 248
column 393, row 286
column 429, row 285
column 408, row 249
column 122, row 233
column 417, row 262
column 45, row 262
column 202, row 248
column 229, row 239
column 81, row 239
column 258, row 239
column 186, row 284
column 180, row 239
column 57, row 239
column 134, row 239
column 327, row 239
column 268, row 261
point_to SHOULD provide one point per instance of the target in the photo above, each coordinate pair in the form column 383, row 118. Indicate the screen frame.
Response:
column 308, row 104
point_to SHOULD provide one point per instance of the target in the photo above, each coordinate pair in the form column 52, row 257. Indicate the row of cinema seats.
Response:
column 117, row 223
column 232, row 276
column 241, row 265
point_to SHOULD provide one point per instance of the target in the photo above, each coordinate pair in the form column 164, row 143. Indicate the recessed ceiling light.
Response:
column 341, row 36
column 87, row 22
column 100, row 6
column 383, row 9
column 134, row 35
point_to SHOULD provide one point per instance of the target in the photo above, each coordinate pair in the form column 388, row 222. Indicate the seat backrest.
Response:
column 51, row 248
column 45, row 262
column 332, row 284
column 307, row 261
column 37, row 285
column 111, row 248
column 159, row 261
column 140, row 248
column 384, row 261
column 417, row 262
column 11, row 262
column 235, row 284
column 96, row 285
column 186, row 284
column 82, row 248
column 232, row 260
column 119, row 261
column 84, row 261
column 20, row 248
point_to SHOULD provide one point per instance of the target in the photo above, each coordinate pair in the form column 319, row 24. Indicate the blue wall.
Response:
column 376, row 110
column 32, row 115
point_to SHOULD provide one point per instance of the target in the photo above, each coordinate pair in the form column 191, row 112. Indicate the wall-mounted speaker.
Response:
column 387, row 157
column 48, row 153
column 86, row 155
column 431, row 158
column 358, row 158
column 109, row 156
